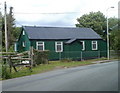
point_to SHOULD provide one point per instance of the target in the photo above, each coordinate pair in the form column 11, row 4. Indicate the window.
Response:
column 59, row 46
column 94, row 45
column 83, row 45
column 15, row 47
column 23, row 33
column 40, row 46
column 23, row 43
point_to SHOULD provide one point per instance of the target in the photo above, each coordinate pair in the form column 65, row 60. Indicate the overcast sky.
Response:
column 39, row 12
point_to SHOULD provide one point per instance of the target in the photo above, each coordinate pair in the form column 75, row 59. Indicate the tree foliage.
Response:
column 94, row 20
column 115, row 38
column 0, row 31
column 0, row 21
column 12, row 31
column 113, row 24
column 10, row 28
column 98, row 22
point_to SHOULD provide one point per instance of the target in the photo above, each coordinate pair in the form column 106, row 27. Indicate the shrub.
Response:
column 5, row 72
column 40, row 57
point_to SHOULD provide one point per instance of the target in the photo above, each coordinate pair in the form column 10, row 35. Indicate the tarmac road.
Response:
column 96, row 77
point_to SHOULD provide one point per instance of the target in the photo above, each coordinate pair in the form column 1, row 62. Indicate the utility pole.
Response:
column 119, row 15
column 108, row 45
column 6, row 37
column 0, row 30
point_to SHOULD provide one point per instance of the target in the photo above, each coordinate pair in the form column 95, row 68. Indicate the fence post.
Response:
column 31, row 55
column 11, row 64
column 81, row 55
column 59, row 55
column 98, row 54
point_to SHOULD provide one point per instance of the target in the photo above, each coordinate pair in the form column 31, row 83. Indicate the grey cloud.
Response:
column 66, row 20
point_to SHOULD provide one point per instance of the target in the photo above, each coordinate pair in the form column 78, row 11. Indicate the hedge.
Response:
column 40, row 57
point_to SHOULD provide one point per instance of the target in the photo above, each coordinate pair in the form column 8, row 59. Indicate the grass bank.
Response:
column 51, row 66
column 0, row 71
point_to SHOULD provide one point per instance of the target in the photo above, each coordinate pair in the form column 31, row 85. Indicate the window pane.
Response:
column 40, row 43
column 40, row 47
column 94, row 42
column 94, row 46
column 59, row 48
column 23, row 44
column 83, row 45
column 59, row 43
column 23, row 33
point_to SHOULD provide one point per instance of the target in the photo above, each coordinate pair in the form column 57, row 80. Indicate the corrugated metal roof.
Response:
column 60, row 33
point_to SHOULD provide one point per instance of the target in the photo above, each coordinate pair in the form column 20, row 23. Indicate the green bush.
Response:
column 5, row 72
column 0, row 70
column 40, row 57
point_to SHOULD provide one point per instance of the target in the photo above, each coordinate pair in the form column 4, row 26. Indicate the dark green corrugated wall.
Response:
column 23, row 38
column 74, row 49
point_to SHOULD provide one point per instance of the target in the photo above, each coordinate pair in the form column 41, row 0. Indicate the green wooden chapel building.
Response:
column 63, row 42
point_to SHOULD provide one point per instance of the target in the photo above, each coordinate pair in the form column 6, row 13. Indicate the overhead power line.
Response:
column 18, row 23
column 47, row 13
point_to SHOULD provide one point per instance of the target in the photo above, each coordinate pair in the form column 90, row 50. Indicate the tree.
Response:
column 0, row 21
column 10, row 27
column 113, row 23
column 94, row 20
column 0, row 31
column 13, row 31
column 115, row 37
column 98, row 22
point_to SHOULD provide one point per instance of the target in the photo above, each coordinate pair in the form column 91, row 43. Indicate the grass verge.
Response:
column 51, row 66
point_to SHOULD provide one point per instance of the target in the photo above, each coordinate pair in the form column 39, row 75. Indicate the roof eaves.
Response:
column 70, row 41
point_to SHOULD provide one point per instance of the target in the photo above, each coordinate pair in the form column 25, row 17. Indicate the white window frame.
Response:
column 23, row 32
column 43, row 45
column 23, row 44
column 83, row 45
column 96, row 44
column 15, row 47
column 56, row 44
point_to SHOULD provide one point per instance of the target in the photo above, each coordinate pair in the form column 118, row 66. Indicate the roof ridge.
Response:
column 56, row 27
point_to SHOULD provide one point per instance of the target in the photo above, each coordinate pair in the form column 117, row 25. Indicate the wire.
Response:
column 18, row 23
column 47, row 13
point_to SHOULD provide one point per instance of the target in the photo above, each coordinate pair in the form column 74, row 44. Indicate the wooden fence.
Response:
column 16, row 59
